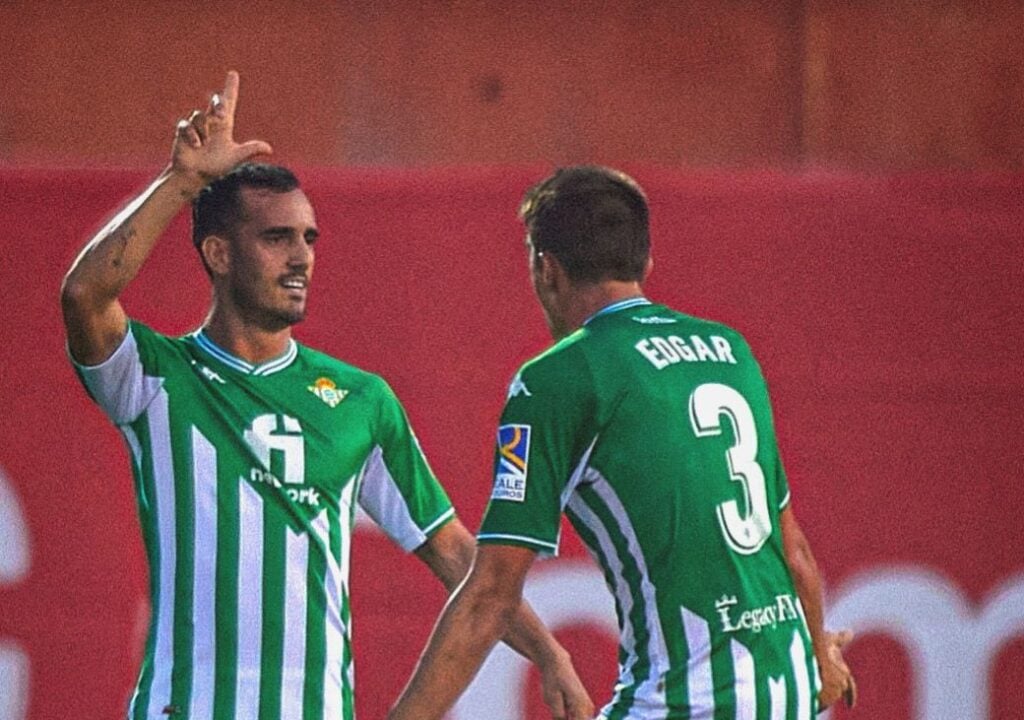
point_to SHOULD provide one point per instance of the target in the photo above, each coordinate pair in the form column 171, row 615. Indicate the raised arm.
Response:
column 836, row 679
column 203, row 149
column 490, row 606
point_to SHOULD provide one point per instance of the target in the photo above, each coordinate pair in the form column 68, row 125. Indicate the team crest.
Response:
column 326, row 390
column 513, row 462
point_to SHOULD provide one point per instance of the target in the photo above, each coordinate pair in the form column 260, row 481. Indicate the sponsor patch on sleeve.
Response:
column 513, row 461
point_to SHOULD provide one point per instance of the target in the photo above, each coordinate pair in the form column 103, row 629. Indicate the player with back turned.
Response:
column 652, row 431
column 250, row 450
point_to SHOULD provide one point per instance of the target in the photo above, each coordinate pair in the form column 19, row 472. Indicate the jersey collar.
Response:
column 271, row 366
column 619, row 305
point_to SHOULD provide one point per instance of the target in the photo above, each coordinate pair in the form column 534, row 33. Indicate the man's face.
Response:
column 272, row 258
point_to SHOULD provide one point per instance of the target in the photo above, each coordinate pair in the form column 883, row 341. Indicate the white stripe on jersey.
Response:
column 334, row 630
column 293, row 672
column 744, row 683
column 699, row 681
column 345, row 513
column 347, row 517
column 798, row 656
column 163, row 479
column 250, row 600
column 577, row 474
column 621, row 588
column 204, row 578
column 777, row 690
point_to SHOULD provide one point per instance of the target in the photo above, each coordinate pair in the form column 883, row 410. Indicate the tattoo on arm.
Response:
column 119, row 244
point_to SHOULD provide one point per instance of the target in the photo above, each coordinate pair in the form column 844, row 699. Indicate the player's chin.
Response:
column 290, row 315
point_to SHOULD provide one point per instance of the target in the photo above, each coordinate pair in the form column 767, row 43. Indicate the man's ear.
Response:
column 216, row 251
column 648, row 268
column 552, row 272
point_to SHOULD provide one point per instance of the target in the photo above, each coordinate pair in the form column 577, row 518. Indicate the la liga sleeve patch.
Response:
column 513, row 463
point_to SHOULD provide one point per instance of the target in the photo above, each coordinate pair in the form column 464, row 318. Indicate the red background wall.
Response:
column 886, row 306
column 871, row 84
column 886, row 313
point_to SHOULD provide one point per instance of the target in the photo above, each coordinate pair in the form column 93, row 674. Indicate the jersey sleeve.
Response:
column 545, row 432
column 399, row 491
column 124, row 384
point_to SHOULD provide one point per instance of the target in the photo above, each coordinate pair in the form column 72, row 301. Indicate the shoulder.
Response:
column 562, row 370
column 330, row 371
column 156, row 347
column 560, row 361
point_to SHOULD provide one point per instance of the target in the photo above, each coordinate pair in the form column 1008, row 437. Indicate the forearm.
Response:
column 468, row 629
column 450, row 556
column 113, row 257
column 528, row 636
column 807, row 579
column 93, row 317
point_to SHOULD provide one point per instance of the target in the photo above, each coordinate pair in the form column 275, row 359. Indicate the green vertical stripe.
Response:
column 184, row 510
column 316, row 632
column 724, row 678
column 274, row 578
column 226, row 600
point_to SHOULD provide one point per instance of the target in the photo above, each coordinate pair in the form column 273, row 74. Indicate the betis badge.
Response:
column 326, row 390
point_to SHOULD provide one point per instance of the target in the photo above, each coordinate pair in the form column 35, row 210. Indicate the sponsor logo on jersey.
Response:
column 326, row 390
column 783, row 610
column 517, row 388
column 513, row 462
column 302, row 496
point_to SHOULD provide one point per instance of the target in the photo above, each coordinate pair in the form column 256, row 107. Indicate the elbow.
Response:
column 494, row 607
column 74, row 294
column 79, row 297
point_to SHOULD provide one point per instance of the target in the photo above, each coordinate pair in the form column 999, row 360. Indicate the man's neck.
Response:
column 244, row 340
column 587, row 300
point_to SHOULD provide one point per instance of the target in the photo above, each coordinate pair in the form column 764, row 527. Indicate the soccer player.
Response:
column 652, row 431
column 250, row 451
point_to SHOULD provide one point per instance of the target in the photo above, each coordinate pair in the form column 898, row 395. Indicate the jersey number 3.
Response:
column 745, row 529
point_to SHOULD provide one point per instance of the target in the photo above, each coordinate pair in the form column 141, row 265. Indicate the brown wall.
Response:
column 866, row 85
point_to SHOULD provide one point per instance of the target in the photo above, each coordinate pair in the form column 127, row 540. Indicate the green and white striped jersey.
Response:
column 247, row 478
column 652, row 431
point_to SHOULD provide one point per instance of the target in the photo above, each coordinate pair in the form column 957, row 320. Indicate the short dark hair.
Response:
column 593, row 219
column 218, row 207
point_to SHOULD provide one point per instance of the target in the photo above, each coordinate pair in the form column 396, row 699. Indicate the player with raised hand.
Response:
column 250, row 450
column 203, row 150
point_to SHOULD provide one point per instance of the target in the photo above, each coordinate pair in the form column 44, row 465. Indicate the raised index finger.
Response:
column 230, row 97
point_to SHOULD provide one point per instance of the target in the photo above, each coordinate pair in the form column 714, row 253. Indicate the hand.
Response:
column 563, row 691
column 204, row 148
column 836, row 678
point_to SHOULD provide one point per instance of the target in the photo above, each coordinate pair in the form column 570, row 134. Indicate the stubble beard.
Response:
column 263, row 315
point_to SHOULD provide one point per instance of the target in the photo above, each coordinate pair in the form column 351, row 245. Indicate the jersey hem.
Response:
column 442, row 520
column 543, row 546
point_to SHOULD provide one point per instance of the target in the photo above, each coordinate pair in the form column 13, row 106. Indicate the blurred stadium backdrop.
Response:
column 841, row 181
